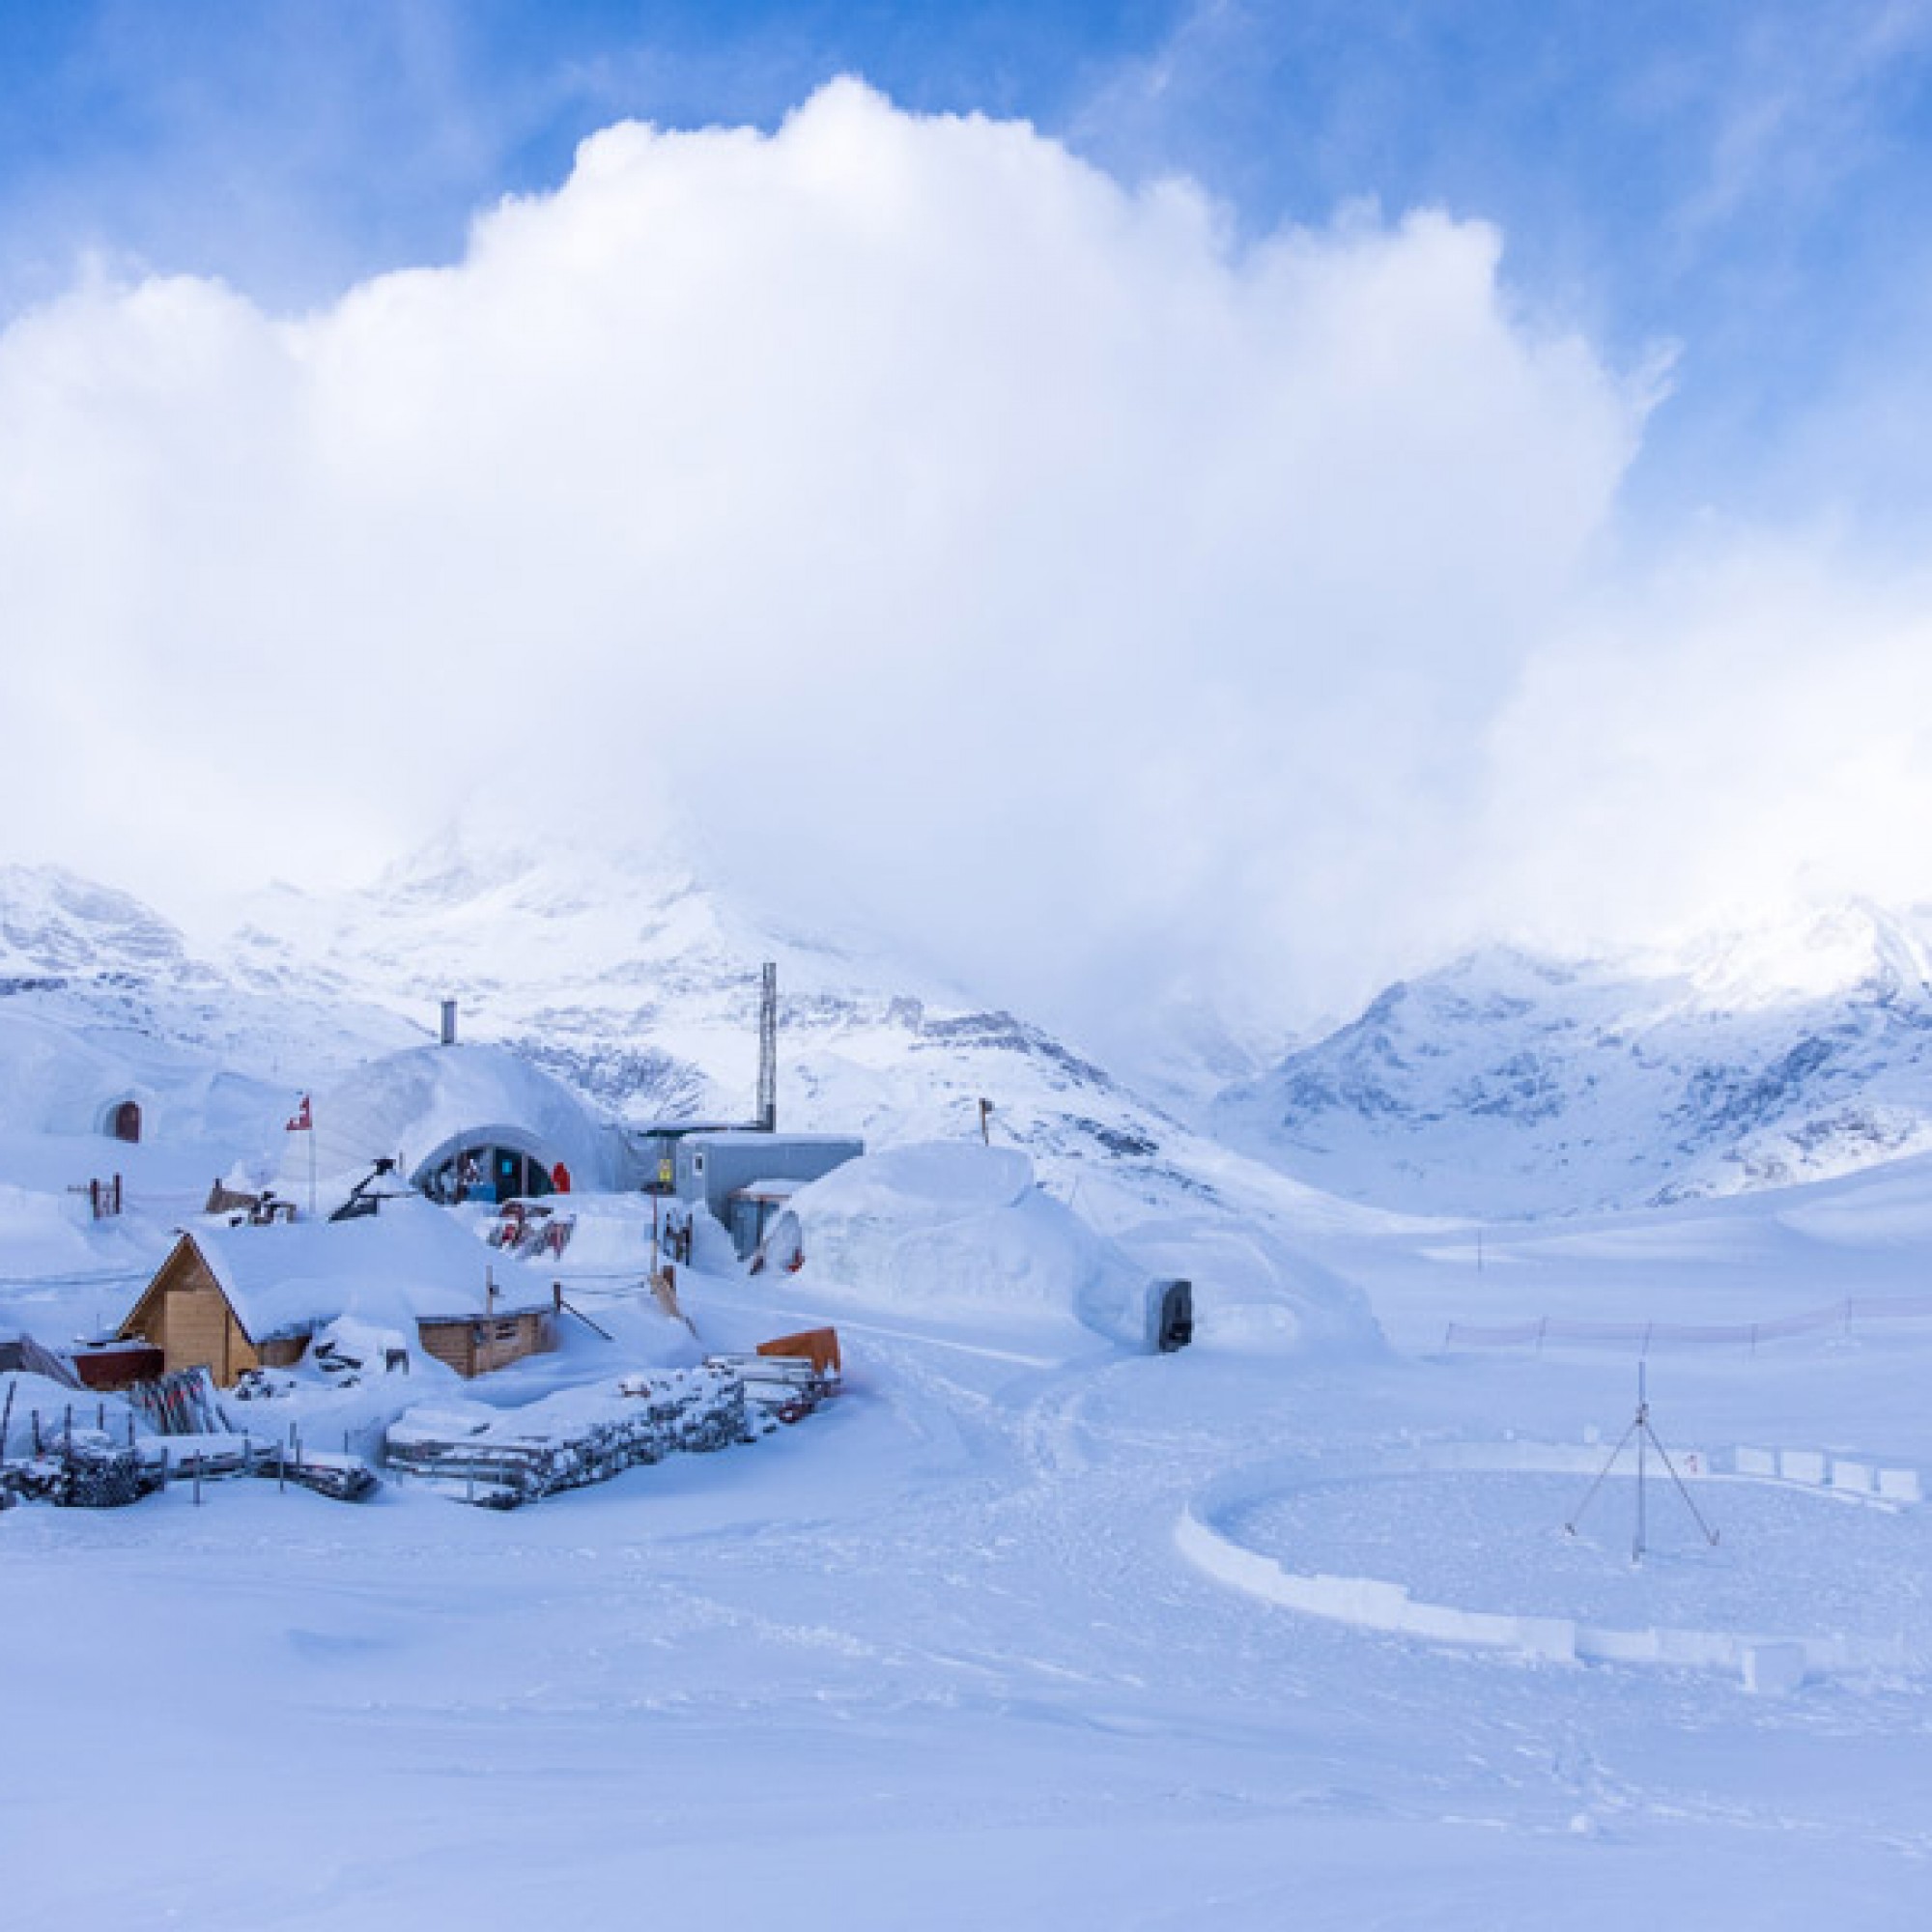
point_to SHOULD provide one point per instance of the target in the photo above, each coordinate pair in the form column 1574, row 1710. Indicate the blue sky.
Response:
column 1743, row 184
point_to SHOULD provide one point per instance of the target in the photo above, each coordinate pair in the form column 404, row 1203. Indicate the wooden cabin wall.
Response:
column 187, row 1318
column 200, row 1331
column 450, row 1343
column 490, row 1342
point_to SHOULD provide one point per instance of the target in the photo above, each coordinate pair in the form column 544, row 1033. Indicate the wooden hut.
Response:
column 235, row 1298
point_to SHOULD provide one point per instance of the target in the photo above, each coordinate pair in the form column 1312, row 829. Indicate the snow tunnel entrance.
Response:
column 487, row 1169
column 1174, row 1329
column 125, row 1122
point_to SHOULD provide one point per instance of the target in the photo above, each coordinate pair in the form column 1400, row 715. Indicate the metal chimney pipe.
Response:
column 449, row 1023
column 768, row 1049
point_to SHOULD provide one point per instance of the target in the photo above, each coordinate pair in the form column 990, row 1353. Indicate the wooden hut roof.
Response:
column 412, row 1263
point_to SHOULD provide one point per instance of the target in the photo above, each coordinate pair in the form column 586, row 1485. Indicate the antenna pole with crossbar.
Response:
column 1645, row 1436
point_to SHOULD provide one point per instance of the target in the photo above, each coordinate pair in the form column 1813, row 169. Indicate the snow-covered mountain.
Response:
column 1509, row 1084
column 1506, row 1083
column 635, row 981
column 620, row 973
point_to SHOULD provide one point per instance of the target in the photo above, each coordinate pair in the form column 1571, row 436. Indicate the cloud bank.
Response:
column 1103, row 607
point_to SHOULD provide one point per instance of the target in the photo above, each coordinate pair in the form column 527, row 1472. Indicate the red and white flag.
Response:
column 304, row 1121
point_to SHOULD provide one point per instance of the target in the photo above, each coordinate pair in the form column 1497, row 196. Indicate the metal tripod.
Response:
column 1645, row 1434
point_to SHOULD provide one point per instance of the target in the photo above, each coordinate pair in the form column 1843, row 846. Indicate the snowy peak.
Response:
column 1841, row 950
column 1512, row 1084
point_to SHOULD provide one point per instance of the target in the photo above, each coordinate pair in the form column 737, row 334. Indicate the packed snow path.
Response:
column 930, row 1659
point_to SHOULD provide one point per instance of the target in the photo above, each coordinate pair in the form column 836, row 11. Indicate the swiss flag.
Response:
column 302, row 1120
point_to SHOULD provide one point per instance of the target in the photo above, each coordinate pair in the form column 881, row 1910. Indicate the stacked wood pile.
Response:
column 84, row 1474
column 788, row 1386
column 80, row 1468
column 790, row 1375
column 507, row 1462
column 207, row 1459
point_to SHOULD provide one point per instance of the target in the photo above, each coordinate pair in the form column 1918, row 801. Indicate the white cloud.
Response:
column 1748, row 726
column 1096, row 602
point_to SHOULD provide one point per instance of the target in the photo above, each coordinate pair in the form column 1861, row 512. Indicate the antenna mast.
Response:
column 1642, row 1433
column 768, row 1049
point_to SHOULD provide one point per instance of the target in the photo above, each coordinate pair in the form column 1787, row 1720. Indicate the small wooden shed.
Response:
column 235, row 1298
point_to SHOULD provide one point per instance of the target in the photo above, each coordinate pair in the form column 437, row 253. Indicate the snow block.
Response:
column 1853, row 1478
column 1553, row 1639
column 1363, row 1600
column 1773, row 1669
column 1614, row 1646
column 1755, row 1461
column 1444, row 1624
column 1900, row 1486
column 1698, row 1650
column 1800, row 1466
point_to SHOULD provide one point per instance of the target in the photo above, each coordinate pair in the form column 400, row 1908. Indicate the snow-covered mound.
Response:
column 1513, row 1085
column 955, row 1231
column 1253, row 1291
column 420, row 1106
column 56, row 1078
column 609, row 1234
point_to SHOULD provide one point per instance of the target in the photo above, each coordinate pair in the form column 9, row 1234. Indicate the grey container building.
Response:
column 716, row 1167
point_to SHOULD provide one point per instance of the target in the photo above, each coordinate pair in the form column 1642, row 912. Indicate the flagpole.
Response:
column 303, row 1121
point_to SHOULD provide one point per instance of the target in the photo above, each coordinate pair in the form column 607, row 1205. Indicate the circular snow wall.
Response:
column 1222, row 1530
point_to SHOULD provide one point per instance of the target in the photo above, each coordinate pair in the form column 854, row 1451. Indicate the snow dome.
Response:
column 952, row 1228
column 442, row 1111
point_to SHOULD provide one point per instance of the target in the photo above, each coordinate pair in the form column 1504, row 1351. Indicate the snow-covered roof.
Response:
column 410, row 1262
column 427, row 1102
column 757, row 1137
column 767, row 1190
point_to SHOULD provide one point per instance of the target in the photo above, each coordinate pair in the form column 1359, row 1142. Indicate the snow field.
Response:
column 933, row 1657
